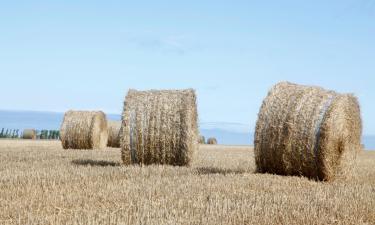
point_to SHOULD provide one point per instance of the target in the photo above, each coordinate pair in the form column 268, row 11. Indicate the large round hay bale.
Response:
column 84, row 130
column 160, row 127
column 29, row 134
column 308, row 131
column 212, row 141
column 114, row 134
column 202, row 140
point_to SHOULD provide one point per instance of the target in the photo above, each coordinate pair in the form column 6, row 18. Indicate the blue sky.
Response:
column 59, row 55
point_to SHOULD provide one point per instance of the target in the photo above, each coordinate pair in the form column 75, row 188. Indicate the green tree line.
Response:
column 40, row 134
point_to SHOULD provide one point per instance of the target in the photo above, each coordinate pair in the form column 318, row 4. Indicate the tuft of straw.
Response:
column 308, row 131
column 160, row 127
column 114, row 134
column 84, row 130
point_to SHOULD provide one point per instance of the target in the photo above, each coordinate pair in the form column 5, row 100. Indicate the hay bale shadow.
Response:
column 90, row 162
column 212, row 170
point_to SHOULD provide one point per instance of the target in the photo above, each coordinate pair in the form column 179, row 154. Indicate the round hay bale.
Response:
column 212, row 141
column 202, row 140
column 160, row 127
column 84, row 130
column 29, row 134
column 308, row 131
column 114, row 134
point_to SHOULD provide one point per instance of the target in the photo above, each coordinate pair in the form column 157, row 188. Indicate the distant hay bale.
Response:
column 84, row 130
column 29, row 134
column 308, row 131
column 212, row 141
column 202, row 140
column 114, row 134
column 160, row 127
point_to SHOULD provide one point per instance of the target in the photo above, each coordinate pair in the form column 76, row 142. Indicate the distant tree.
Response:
column 37, row 134
column 2, row 133
column 50, row 134
column 43, row 134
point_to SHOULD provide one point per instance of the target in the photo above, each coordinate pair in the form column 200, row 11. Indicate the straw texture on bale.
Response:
column 202, row 140
column 84, row 130
column 159, row 127
column 212, row 141
column 114, row 134
column 308, row 131
column 29, row 134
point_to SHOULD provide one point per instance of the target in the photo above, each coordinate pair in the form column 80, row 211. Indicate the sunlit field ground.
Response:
column 42, row 184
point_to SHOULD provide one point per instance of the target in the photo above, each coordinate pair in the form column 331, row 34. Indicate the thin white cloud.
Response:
column 177, row 44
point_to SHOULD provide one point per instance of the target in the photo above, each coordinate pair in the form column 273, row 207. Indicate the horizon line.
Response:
column 119, row 114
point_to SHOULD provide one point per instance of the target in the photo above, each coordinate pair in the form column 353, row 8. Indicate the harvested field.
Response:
column 42, row 184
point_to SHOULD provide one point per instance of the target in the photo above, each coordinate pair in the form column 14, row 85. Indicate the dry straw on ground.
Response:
column 160, row 127
column 212, row 141
column 309, row 131
column 29, row 134
column 202, row 140
column 40, row 184
column 114, row 134
column 84, row 130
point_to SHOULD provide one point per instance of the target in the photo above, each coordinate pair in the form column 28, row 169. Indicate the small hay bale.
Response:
column 114, row 134
column 159, row 127
column 29, row 134
column 308, row 131
column 84, row 130
column 212, row 141
column 202, row 140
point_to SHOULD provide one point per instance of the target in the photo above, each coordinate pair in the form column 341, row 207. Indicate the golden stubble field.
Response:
column 42, row 184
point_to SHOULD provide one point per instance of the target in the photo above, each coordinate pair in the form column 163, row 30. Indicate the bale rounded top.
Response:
column 307, row 130
column 84, row 130
column 212, row 141
column 160, row 127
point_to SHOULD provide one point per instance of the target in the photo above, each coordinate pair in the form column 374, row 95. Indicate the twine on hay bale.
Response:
column 212, row 141
column 308, row 131
column 29, row 134
column 84, row 130
column 160, row 127
column 202, row 140
column 114, row 134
